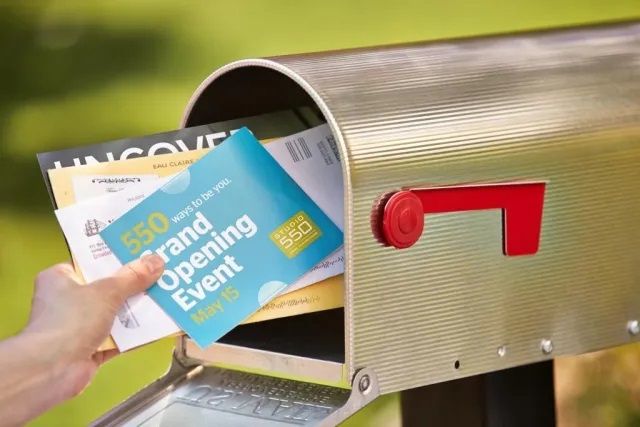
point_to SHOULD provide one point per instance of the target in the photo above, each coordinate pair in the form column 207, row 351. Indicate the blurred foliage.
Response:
column 78, row 72
column 599, row 389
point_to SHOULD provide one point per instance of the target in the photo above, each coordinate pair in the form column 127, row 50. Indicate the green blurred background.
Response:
column 80, row 72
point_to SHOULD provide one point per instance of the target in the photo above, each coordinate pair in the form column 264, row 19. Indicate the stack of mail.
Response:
column 92, row 194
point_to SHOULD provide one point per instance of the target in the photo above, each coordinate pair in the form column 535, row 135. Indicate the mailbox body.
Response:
column 560, row 108
column 556, row 107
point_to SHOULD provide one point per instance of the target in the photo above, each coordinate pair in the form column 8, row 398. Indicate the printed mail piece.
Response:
column 311, row 158
column 264, row 126
column 234, row 230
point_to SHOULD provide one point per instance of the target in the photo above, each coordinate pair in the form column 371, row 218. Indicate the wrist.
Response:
column 43, row 349
column 45, row 356
column 57, row 360
column 32, row 378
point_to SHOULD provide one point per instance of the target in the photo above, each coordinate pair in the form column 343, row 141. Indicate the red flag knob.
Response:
column 402, row 220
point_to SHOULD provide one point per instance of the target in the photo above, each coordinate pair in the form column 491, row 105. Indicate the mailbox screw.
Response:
column 633, row 327
column 502, row 351
column 364, row 384
column 546, row 346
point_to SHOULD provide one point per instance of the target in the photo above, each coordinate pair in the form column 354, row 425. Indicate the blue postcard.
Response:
column 234, row 230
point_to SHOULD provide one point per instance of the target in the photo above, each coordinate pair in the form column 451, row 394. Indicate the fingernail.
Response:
column 153, row 262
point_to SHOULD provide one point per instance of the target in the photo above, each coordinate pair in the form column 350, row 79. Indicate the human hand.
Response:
column 70, row 321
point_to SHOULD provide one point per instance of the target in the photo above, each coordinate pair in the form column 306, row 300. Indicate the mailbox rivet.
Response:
column 546, row 346
column 502, row 351
column 633, row 327
column 364, row 384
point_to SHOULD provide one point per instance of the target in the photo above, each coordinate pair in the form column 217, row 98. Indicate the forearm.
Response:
column 31, row 378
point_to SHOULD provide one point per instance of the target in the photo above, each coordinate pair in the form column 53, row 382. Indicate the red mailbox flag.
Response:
column 521, row 203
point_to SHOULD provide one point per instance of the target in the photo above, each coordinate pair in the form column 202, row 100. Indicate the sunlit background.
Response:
column 80, row 72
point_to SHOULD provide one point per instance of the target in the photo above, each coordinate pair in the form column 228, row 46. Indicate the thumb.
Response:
column 132, row 278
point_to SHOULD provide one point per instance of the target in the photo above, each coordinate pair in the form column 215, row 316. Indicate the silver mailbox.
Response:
column 458, row 128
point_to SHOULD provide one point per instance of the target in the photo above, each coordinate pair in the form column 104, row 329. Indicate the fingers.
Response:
column 132, row 278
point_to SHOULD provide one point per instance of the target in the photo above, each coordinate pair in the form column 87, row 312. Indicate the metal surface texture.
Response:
column 205, row 395
column 560, row 107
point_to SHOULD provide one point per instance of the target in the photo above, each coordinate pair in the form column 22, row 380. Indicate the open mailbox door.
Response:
column 202, row 395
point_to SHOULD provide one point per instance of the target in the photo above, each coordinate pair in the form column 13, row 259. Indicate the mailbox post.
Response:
column 522, row 396
column 489, row 216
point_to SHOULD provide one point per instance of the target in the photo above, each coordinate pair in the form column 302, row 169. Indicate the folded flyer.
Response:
column 234, row 229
